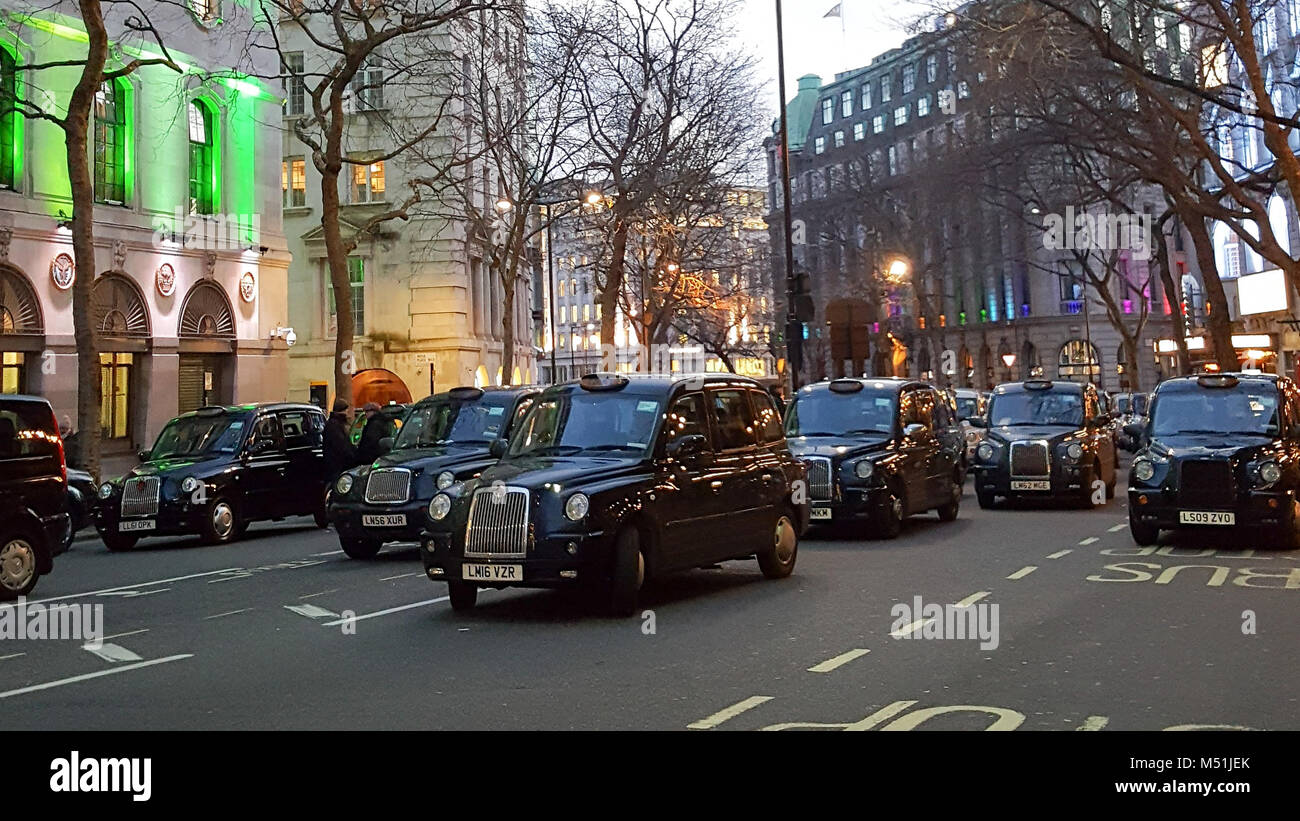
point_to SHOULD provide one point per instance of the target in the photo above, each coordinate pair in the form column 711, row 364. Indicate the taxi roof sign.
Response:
column 465, row 393
column 1217, row 381
column 1038, row 384
column 603, row 382
column 845, row 386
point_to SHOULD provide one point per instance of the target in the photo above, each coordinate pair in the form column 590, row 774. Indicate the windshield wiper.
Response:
column 816, row 433
column 550, row 450
column 605, row 448
column 866, row 431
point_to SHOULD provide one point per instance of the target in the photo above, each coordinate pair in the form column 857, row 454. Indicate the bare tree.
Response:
column 128, row 20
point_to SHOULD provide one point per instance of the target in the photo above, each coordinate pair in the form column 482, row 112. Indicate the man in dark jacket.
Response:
column 377, row 428
column 339, row 451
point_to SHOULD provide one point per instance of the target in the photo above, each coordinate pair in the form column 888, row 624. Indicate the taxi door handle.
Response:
column 767, row 477
column 716, row 484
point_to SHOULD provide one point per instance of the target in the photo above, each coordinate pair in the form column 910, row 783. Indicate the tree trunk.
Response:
column 76, row 128
column 509, row 283
column 613, row 284
column 1219, row 321
column 1134, row 368
column 1173, row 294
column 336, row 258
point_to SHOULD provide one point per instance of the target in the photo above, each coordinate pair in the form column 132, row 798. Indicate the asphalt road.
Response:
column 283, row 631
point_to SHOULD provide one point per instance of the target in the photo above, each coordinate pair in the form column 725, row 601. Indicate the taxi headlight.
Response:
column 446, row 479
column 576, row 507
column 439, row 507
column 1074, row 451
column 344, row 484
column 985, row 452
column 1269, row 473
column 864, row 469
column 189, row 484
column 106, row 490
column 1144, row 469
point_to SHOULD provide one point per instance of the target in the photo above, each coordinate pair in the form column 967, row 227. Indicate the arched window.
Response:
column 10, row 121
column 112, row 103
column 207, row 313
column 119, row 309
column 204, row 169
column 20, row 311
column 1079, row 361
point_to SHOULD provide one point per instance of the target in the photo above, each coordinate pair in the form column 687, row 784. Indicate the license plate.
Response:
column 821, row 513
column 384, row 520
column 1205, row 517
column 1027, row 484
column 492, row 572
column 143, row 524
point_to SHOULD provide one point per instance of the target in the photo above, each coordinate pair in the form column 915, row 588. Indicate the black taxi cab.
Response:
column 878, row 450
column 214, row 470
column 444, row 439
column 1045, row 439
column 613, row 480
column 1218, row 452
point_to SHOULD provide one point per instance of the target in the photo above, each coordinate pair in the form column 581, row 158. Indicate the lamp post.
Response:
column 793, row 327
column 591, row 198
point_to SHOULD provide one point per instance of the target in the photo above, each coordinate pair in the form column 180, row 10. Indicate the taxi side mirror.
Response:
column 978, row 422
column 386, row 444
column 914, row 431
column 498, row 448
column 142, row 455
column 1135, row 431
column 686, row 447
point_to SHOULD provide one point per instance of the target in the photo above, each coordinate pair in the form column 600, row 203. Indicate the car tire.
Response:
column 361, row 548
column 118, row 542
column 18, row 560
column 322, row 513
column 628, row 573
column 948, row 512
column 1144, row 535
column 463, row 595
column 221, row 522
column 888, row 523
column 777, row 560
column 986, row 498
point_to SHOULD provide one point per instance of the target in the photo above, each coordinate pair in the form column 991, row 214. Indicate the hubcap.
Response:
column 896, row 506
column 223, row 520
column 17, row 564
column 785, row 539
column 640, row 570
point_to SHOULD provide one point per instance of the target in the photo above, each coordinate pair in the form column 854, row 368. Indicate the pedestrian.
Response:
column 376, row 429
column 71, row 442
column 340, row 454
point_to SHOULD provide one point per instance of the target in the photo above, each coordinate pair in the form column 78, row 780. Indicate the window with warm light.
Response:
column 368, row 182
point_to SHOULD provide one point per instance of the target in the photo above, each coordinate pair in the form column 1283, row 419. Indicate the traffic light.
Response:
column 804, row 310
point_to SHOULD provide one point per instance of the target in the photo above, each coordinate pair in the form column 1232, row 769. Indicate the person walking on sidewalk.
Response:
column 340, row 454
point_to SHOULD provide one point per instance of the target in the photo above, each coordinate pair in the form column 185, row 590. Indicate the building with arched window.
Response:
column 189, row 294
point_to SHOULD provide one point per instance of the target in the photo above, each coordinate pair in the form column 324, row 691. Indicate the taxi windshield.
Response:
column 968, row 407
column 613, row 423
column 453, row 423
column 1246, row 409
column 198, row 436
column 1049, row 407
column 827, row 413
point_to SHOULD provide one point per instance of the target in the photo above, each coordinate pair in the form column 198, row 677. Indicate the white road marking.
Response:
column 1118, row 528
column 322, row 593
column 12, row 656
column 1059, row 554
column 1089, row 540
column 839, row 661
column 311, row 611
column 729, row 713
column 971, row 599
column 403, row 576
column 228, row 613
column 124, row 635
column 909, row 629
column 1022, row 572
column 390, row 610
column 124, row 587
column 131, row 594
column 111, row 652
column 330, row 553
column 87, row 676
column 1094, row 723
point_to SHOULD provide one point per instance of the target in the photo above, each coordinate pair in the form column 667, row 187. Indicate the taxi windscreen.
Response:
column 1043, row 407
column 459, row 423
column 1246, row 408
column 198, row 436
column 827, row 413
column 614, row 423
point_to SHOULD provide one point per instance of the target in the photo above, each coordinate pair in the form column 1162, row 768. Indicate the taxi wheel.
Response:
column 948, row 512
column 1144, row 535
column 463, row 595
column 221, row 524
column 118, row 542
column 889, row 521
column 628, row 572
column 777, row 561
column 361, row 548
column 986, row 498
column 322, row 513
column 17, row 567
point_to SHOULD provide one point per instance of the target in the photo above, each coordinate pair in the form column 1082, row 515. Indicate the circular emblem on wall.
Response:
column 247, row 286
column 165, row 279
column 63, row 271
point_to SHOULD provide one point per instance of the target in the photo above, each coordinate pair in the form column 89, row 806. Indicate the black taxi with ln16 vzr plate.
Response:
column 214, row 470
column 443, row 439
column 1045, row 440
column 610, row 481
column 1219, row 453
column 878, row 450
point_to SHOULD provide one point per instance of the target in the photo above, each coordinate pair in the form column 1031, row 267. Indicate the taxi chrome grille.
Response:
column 820, row 487
column 498, row 523
column 1205, row 483
column 140, row 496
column 1030, row 459
column 388, row 486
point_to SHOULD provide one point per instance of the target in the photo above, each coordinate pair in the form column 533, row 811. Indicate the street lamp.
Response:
column 793, row 327
column 504, row 205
